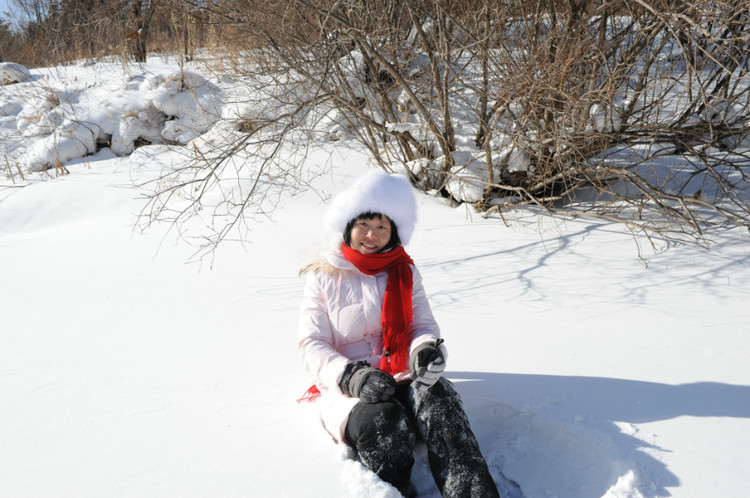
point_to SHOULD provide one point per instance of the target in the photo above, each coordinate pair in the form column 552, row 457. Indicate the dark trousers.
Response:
column 384, row 435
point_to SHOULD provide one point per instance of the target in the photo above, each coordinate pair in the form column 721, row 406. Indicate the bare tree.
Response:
column 143, row 12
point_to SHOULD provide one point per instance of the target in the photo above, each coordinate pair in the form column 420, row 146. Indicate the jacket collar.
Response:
column 337, row 260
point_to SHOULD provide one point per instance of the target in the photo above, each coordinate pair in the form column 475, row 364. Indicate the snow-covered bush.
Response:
column 53, row 122
column 466, row 186
column 145, row 125
column 192, row 100
column 174, row 108
column 69, row 141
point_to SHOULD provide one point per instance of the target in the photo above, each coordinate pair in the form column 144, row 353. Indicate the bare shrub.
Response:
column 631, row 111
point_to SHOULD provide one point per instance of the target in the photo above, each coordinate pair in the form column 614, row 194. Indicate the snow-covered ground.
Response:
column 591, row 364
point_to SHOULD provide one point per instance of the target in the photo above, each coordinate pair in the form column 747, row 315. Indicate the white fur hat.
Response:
column 377, row 192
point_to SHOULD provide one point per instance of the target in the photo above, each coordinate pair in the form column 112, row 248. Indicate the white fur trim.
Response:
column 378, row 192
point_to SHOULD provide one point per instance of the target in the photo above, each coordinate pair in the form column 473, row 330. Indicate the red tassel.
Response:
column 310, row 395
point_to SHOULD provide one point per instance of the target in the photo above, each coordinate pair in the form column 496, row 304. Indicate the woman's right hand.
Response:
column 370, row 385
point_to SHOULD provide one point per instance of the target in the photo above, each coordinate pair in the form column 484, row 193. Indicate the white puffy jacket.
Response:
column 340, row 323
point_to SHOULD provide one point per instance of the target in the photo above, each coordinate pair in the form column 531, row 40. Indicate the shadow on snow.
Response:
column 587, row 447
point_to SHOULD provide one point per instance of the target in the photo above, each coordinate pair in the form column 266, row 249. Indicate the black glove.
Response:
column 427, row 365
column 368, row 384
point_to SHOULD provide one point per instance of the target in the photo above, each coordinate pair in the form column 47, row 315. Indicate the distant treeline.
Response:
column 43, row 32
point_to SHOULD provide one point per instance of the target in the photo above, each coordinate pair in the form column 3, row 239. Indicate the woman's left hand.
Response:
column 427, row 365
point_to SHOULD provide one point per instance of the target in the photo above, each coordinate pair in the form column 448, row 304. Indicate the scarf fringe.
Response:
column 311, row 395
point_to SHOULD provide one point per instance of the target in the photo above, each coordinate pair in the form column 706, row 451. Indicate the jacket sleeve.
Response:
column 315, row 343
column 424, row 327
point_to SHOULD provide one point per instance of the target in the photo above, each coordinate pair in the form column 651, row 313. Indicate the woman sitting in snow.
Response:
column 369, row 339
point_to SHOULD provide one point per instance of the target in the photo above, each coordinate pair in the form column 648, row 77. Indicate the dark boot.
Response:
column 457, row 465
column 384, row 437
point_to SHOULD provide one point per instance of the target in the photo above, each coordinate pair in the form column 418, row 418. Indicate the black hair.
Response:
column 369, row 215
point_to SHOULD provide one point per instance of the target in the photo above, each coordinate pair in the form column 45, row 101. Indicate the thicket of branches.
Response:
column 564, row 99
column 621, row 109
column 626, row 110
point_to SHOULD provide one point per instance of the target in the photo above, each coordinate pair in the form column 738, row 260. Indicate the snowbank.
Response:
column 59, row 120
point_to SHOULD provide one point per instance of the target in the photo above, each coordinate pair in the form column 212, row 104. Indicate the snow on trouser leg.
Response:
column 457, row 465
column 384, row 437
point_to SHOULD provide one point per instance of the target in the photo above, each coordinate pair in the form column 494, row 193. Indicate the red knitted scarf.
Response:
column 396, row 314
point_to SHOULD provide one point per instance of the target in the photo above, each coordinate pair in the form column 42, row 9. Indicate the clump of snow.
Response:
column 403, row 127
column 361, row 481
column 466, row 186
column 11, row 72
column 627, row 486
column 354, row 70
column 69, row 141
column 144, row 124
column 192, row 100
column 605, row 118
column 468, row 177
column 510, row 158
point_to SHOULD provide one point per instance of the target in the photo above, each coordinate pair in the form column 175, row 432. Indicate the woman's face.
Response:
column 371, row 236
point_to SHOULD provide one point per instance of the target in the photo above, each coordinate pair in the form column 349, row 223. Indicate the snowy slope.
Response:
column 588, row 371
